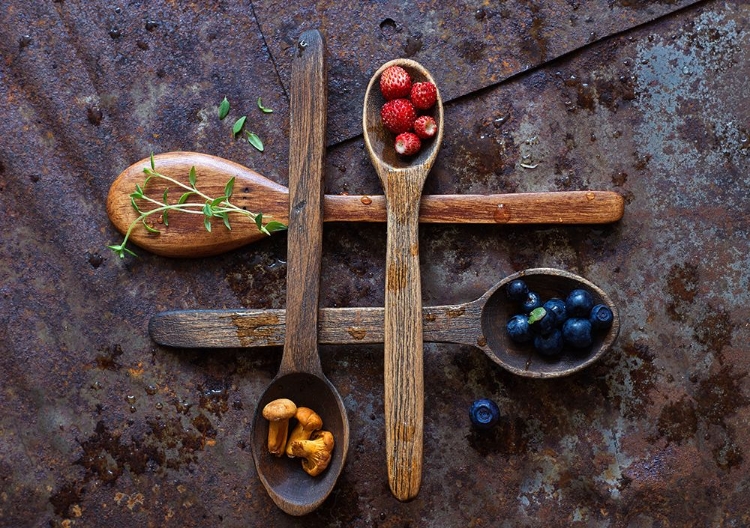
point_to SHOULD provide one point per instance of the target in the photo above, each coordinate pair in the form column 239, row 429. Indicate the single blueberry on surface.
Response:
column 518, row 329
column 516, row 290
column 601, row 317
column 484, row 413
column 576, row 332
column 542, row 321
column 557, row 307
column 549, row 345
column 579, row 303
column 531, row 301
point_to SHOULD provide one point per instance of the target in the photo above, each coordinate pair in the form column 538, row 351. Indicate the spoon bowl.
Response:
column 380, row 141
column 298, row 491
column 521, row 358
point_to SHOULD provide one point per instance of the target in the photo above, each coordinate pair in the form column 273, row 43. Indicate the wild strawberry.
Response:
column 395, row 83
column 398, row 115
column 425, row 127
column 423, row 95
column 407, row 144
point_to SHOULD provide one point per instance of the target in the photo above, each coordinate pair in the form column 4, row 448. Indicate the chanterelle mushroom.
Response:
column 316, row 452
column 278, row 412
column 307, row 422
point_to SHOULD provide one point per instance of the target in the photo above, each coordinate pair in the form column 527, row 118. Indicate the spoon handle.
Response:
column 457, row 324
column 403, row 351
column 307, row 132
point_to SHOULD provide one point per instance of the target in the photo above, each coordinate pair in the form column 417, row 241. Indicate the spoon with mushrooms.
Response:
column 402, row 180
column 300, row 486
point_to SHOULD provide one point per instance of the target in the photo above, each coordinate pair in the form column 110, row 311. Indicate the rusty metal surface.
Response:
column 468, row 44
column 100, row 427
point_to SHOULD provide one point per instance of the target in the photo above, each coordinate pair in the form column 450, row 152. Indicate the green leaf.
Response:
column 153, row 165
column 207, row 223
column 237, row 128
column 164, row 196
column 184, row 197
column 193, row 177
column 165, row 217
column 263, row 108
column 228, row 188
column 225, row 217
column 275, row 226
column 148, row 227
column 208, row 211
column 135, row 205
column 138, row 191
column 120, row 250
column 255, row 141
column 259, row 221
column 216, row 202
column 537, row 314
column 224, row 108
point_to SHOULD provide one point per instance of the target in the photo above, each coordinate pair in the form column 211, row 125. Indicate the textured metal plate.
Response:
column 100, row 427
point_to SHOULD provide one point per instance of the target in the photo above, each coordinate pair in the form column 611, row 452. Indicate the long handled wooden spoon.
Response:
column 402, row 181
column 186, row 236
column 300, row 376
column 479, row 323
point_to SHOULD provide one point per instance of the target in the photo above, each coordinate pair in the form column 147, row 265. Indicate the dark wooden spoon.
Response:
column 478, row 323
column 300, row 377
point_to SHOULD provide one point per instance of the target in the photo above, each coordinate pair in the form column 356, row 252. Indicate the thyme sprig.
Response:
column 211, row 208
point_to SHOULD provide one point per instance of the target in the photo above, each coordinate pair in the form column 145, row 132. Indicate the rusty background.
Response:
column 100, row 427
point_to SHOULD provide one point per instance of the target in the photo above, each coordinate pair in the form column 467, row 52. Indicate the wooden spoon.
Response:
column 300, row 377
column 479, row 323
column 402, row 181
column 186, row 236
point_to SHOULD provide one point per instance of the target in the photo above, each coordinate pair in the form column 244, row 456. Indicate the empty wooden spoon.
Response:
column 186, row 236
column 402, row 181
column 300, row 377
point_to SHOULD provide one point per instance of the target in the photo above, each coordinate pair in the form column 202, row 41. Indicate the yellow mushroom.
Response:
column 308, row 421
column 316, row 452
column 278, row 412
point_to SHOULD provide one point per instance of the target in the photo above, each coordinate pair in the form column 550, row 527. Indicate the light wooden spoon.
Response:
column 186, row 236
column 402, row 181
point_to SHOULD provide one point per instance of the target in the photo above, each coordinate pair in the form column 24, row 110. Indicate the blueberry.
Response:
column 531, row 301
column 549, row 345
column 518, row 329
column 579, row 303
column 484, row 414
column 557, row 307
column 542, row 321
column 601, row 317
column 516, row 290
column 576, row 332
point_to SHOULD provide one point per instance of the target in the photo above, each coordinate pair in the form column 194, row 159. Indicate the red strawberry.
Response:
column 423, row 95
column 398, row 115
column 395, row 83
column 408, row 144
column 425, row 127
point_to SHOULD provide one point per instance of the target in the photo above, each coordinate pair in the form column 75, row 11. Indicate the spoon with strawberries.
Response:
column 402, row 163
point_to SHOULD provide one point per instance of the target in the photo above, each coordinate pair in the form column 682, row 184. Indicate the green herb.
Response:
column 263, row 108
column 254, row 140
column 224, row 108
column 537, row 314
column 237, row 128
column 211, row 208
